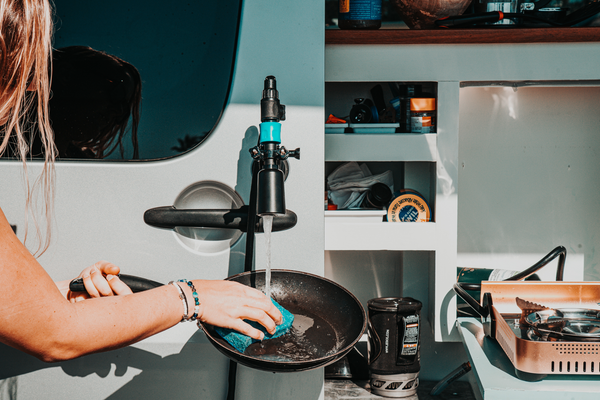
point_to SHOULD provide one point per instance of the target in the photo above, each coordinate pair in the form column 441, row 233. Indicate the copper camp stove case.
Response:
column 532, row 357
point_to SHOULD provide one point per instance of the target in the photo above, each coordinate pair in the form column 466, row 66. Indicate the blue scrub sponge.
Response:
column 241, row 341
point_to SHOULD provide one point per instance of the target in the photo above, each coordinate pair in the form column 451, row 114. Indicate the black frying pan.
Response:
column 329, row 321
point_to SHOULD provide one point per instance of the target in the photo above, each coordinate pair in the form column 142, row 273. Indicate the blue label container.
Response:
column 359, row 14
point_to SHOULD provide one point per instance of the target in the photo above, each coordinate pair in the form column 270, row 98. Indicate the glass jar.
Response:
column 422, row 115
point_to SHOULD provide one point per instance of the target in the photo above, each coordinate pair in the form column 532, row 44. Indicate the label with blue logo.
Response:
column 352, row 10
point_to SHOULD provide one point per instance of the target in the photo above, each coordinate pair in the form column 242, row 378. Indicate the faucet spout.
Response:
column 271, row 197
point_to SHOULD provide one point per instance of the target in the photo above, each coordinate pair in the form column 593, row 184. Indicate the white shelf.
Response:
column 382, row 147
column 438, row 183
column 395, row 236
column 355, row 216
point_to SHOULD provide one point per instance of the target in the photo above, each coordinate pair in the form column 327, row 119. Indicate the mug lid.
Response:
column 422, row 104
column 393, row 303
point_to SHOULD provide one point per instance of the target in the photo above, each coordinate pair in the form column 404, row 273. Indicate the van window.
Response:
column 140, row 79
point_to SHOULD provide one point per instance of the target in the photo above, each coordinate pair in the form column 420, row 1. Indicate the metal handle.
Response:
column 559, row 251
column 169, row 217
column 474, row 304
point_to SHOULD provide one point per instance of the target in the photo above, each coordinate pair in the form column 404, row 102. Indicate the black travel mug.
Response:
column 394, row 346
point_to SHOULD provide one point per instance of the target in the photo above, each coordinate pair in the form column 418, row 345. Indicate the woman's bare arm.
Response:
column 36, row 318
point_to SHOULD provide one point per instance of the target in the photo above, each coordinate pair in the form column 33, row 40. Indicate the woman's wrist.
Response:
column 183, row 299
column 193, row 300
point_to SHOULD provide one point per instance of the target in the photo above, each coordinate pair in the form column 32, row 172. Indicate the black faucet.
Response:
column 269, row 154
column 267, row 190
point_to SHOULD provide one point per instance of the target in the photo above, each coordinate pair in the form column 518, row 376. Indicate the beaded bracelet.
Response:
column 183, row 300
column 196, row 300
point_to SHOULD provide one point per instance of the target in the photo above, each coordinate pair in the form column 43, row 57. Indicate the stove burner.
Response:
column 587, row 329
column 575, row 325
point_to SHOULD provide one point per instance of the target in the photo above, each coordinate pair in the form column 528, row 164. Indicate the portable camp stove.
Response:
column 544, row 327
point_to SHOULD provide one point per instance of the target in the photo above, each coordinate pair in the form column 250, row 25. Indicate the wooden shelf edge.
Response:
column 463, row 36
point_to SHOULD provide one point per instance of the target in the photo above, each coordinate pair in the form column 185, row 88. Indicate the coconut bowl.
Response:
column 422, row 14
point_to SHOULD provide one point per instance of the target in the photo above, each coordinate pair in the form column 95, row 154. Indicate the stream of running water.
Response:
column 267, row 228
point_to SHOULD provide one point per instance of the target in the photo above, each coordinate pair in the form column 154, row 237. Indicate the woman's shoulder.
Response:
column 5, row 226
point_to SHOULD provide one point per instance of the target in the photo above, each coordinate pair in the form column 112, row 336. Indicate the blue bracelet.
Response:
column 196, row 300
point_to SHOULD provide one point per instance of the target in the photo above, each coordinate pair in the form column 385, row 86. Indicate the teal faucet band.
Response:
column 270, row 132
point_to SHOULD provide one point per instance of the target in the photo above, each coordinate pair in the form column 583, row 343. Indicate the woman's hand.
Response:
column 227, row 304
column 100, row 280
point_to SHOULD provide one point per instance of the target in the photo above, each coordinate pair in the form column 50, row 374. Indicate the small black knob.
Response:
column 295, row 153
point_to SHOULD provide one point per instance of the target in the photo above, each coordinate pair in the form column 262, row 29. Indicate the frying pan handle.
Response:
column 136, row 283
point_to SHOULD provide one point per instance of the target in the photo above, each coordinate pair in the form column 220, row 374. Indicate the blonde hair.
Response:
column 25, row 62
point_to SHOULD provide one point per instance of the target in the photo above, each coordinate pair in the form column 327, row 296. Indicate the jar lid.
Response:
column 393, row 303
column 422, row 104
